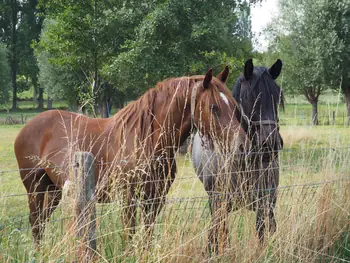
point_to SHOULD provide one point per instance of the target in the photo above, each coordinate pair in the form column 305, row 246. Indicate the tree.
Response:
column 9, row 12
column 124, row 47
column 306, row 41
column 20, row 24
column 29, row 29
column 85, row 35
column 5, row 81
column 58, row 81
column 337, row 14
column 177, row 38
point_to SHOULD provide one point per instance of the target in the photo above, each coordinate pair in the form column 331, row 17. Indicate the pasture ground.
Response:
column 297, row 111
column 313, row 220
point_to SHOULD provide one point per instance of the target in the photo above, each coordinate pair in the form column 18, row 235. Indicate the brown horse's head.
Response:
column 214, row 111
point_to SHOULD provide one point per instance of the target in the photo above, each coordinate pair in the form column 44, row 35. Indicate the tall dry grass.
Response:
column 313, row 216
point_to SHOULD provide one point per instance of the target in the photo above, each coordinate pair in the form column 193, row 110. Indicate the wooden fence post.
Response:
column 85, row 206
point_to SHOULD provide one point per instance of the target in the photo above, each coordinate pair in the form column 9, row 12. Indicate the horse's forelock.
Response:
column 265, row 85
column 220, row 87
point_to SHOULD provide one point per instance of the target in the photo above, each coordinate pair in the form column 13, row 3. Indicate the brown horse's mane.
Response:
column 138, row 116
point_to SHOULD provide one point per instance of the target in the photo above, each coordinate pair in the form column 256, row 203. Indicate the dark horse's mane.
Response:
column 139, row 115
column 263, row 82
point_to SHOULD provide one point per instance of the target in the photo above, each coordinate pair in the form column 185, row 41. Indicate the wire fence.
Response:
column 249, row 153
column 195, row 202
column 180, row 216
column 186, row 178
column 190, row 213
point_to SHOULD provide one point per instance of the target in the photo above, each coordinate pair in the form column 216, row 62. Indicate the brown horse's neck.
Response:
column 158, row 121
column 175, row 114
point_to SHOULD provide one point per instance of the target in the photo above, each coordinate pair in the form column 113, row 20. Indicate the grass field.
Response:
column 331, row 110
column 313, row 216
column 313, row 220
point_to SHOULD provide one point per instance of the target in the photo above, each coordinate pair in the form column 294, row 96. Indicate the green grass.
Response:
column 300, row 163
column 301, row 114
column 294, row 114
column 25, row 111
column 181, row 232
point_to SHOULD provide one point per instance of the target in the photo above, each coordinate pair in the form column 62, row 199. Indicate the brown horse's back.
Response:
column 49, row 138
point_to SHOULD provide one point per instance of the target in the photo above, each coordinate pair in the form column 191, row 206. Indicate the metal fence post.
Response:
column 85, row 210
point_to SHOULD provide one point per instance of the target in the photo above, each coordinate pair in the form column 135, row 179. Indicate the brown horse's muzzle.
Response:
column 241, row 144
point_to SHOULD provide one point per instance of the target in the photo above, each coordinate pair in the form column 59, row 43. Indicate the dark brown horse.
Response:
column 134, row 150
column 238, row 180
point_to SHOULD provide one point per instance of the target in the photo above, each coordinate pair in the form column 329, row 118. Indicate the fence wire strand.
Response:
column 333, row 149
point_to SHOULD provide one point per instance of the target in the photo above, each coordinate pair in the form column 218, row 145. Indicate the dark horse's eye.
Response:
column 214, row 108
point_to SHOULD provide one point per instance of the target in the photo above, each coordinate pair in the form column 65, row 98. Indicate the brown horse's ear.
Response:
column 224, row 75
column 207, row 78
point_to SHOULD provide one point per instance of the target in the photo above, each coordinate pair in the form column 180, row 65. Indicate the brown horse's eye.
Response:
column 214, row 108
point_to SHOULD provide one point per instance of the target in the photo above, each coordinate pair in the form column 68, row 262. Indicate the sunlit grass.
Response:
column 313, row 222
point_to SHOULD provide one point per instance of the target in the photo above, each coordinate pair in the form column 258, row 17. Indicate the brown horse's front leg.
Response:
column 42, row 200
column 155, row 193
column 213, row 244
column 218, row 234
column 151, row 210
column 129, row 217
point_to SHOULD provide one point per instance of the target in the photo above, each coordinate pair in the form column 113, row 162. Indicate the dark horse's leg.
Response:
column 266, row 203
column 264, row 210
column 42, row 200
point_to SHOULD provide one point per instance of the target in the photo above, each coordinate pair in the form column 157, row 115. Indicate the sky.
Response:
column 262, row 14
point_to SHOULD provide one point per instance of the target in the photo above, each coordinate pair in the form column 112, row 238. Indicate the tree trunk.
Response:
column 346, row 92
column 120, row 104
column 35, row 95
column 314, row 112
column 13, row 55
column 104, row 109
column 110, row 103
column 14, row 85
column 49, row 103
column 41, row 99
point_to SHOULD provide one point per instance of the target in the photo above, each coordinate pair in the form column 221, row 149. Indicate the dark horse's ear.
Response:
column 248, row 69
column 224, row 75
column 207, row 78
column 275, row 69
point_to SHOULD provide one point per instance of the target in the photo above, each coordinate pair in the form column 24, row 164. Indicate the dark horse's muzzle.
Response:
column 267, row 140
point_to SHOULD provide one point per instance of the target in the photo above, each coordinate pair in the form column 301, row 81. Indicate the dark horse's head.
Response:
column 259, row 97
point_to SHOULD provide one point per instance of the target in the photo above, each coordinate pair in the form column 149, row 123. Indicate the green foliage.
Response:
column 120, row 48
column 9, row 18
column 178, row 38
column 84, row 35
column 59, row 81
column 20, row 23
column 5, row 81
column 29, row 31
column 56, row 80
column 312, row 37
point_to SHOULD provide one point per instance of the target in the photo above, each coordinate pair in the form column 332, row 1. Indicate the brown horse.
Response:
column 134, row 150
